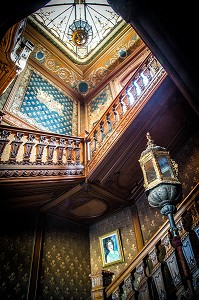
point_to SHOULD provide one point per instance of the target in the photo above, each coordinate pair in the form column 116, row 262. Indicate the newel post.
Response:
column 100, row 281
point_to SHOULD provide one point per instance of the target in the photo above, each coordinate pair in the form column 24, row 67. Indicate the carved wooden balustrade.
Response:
column 14, row 53
column 28, row 153
column 156, row 273
column 124, row 109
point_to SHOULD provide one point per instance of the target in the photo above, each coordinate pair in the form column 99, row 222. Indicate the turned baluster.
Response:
column 103, row 135
column 77, row 152
column 130, row 96
column 69, row 149
column 109, row 123
column 95, row 140
column 122, row 104
column 153, row 65
column 147, row 73
column 115, row 113
column 140, row 82
column 40, row 149
column 4, row 141
column 50, row 149
column 15, row 145
column 60, row 149
column 28, row 146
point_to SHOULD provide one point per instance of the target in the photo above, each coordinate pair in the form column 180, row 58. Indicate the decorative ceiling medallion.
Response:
column 83, row 87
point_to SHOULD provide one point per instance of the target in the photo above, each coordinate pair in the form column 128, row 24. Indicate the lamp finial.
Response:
column 150, row 142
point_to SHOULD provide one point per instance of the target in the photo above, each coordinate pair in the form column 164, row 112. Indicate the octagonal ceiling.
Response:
column 79, row 28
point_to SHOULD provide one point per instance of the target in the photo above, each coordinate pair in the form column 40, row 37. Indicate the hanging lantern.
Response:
column 157, row 166
column 160, row 175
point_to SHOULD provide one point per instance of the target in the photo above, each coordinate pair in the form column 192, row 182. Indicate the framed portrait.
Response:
column 111, row 248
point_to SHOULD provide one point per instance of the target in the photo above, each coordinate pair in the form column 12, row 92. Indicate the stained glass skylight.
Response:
column 58, row 16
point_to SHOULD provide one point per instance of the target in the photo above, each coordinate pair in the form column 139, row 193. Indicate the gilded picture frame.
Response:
column 111, row 248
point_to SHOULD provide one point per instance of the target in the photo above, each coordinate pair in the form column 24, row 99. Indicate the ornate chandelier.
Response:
column 80, row 33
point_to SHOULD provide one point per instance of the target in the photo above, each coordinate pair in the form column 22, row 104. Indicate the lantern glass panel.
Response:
column 165, row 166
column 150, row 171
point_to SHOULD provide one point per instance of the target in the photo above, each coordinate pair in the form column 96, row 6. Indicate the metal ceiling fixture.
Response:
column 80, row 33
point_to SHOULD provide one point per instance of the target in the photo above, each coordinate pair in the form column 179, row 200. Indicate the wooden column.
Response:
column 36, row 260
column 137, row 228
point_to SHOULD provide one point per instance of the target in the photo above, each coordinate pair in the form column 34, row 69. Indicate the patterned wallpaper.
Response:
column 150, row 218
column 42, row 104
column 188, row 166
column 65, row 261
column 109, row 224
column 16, row 246
column 98, row 105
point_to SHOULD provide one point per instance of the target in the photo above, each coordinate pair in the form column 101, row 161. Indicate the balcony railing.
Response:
column 124, row 109
column 28, row 153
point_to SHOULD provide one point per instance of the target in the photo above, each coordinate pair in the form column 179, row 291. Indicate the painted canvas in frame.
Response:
column 111, row 248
